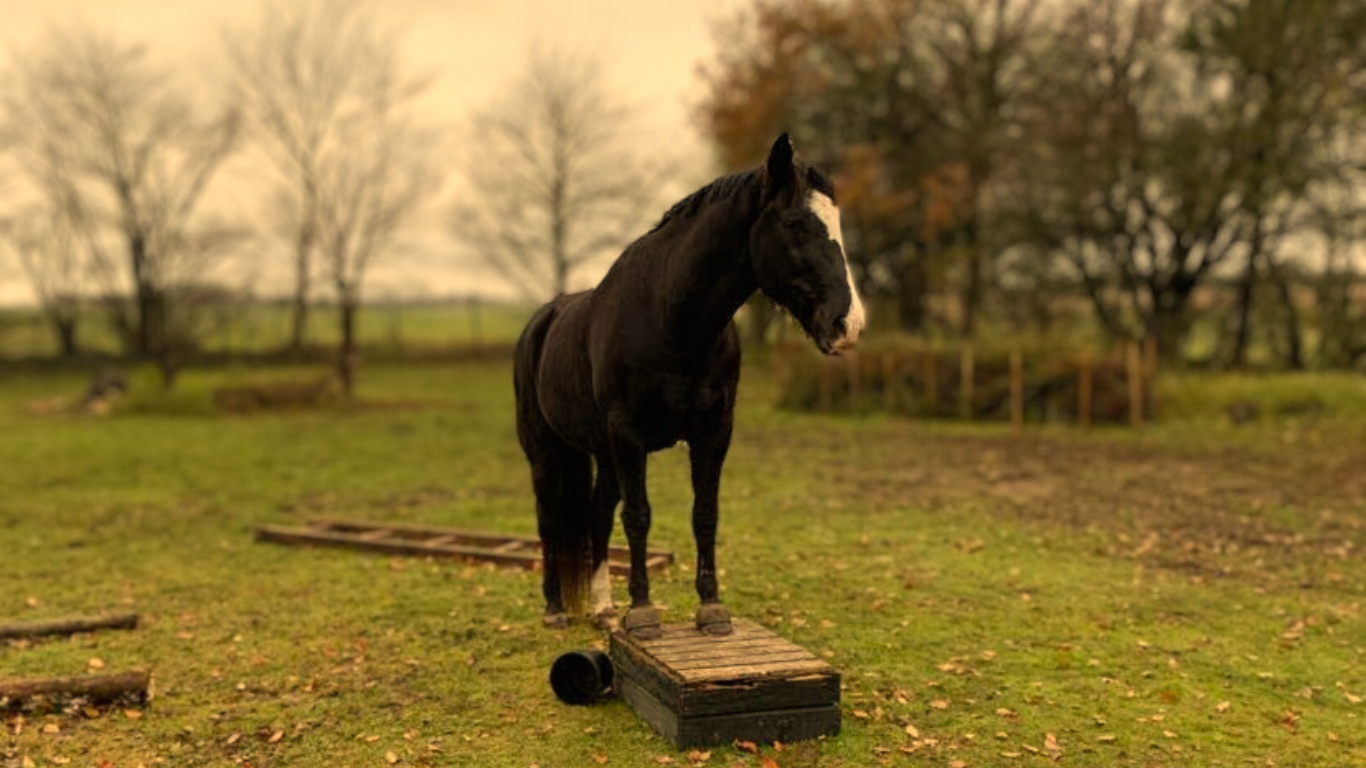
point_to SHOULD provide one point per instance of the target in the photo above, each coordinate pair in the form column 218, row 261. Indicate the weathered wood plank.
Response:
column 463, row 535
column 93, row 688
column 753, row 675
column 518, row 553
column 788, row 725
column 69, row 625
column 786, row 669
column 773, row 661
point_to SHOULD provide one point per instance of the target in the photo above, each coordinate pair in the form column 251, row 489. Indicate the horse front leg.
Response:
column 707, row 453
column 628, row 458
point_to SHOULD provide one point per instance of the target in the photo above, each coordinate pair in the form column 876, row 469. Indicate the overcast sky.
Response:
column 472, row 47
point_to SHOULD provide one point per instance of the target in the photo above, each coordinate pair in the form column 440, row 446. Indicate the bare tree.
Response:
column 300, row 76
column 373, row 178
column 135, row 154
column 554, row 182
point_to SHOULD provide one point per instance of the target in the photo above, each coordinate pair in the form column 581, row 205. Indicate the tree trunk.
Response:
column 303, row 250
column 299, row 319
column 1168, row 323
column 1294, row 351
column 346, row 353
column 65, row 330
column 1246, row 293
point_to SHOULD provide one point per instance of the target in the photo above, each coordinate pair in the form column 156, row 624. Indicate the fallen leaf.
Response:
column 1106, row 738
column 1050, row 743
column 939, row 704
column 132, row 714
column 1169, row 734
column 390, row 757
column 233, row 739
column 51, row 728
column 1222, row 706
column 957, row 764
column 747, row 746
column 912, row 731
column 860, row 714
column 275, row 737
column 770, row 763
column 61, row 760
column 1006, row 713
column 664, row 759
column 698, row 756
column 600, row 759
column 95, row 663
column 27, row 762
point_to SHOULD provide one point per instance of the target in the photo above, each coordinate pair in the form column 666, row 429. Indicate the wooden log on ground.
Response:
column 96, row 689
column 68, row 626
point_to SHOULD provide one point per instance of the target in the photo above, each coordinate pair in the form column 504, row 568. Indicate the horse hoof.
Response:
column 555, row 621
column 713, row 619
column 642, row 623
column 606, row 619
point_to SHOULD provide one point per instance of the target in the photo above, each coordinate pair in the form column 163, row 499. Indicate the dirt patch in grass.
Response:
column 1289, row 517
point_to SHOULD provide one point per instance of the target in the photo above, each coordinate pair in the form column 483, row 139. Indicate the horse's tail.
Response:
column 561, row 475
column 566, row 532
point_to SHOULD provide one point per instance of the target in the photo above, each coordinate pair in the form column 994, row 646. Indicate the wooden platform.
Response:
column 698, row 690
column 433, row 541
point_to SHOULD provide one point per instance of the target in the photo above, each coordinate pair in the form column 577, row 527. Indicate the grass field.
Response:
column 1188, row 596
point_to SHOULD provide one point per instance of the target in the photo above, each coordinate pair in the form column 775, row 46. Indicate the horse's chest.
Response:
column 675, row 407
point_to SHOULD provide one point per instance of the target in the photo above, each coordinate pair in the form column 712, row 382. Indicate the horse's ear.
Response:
column 779, row 171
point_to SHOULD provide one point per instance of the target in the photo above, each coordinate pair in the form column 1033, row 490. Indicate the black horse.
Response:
column 651, row 357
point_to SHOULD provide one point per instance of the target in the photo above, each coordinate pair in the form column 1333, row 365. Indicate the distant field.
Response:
column 265, row 327
column 1189, row 596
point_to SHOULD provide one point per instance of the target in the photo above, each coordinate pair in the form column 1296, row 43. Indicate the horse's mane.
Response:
column 724, row 187
column 728, row 186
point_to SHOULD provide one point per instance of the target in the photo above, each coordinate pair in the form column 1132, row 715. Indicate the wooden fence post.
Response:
column 1016, row 391
column 823, row 387
column 890, row 382
column 1084, row 390
column 1135, row 371
column 931, row 383
column 855, row 381
column 966, row 364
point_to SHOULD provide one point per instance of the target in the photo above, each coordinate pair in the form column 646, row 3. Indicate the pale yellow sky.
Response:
column 472, row 47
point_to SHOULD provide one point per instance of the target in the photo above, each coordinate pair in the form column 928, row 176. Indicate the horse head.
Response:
column 798, row 251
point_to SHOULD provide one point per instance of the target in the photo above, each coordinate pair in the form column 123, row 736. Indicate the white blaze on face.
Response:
column 825, row 210
column 602, row 589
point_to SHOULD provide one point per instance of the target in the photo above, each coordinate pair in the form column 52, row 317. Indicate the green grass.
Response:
column 1111, row 588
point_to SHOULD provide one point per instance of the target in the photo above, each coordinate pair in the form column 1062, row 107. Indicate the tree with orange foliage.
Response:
column 910, row 103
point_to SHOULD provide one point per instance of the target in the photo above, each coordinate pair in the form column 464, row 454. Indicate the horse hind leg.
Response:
column 606, row 495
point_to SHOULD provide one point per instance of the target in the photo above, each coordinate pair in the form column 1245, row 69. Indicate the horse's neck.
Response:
column 711, row 277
